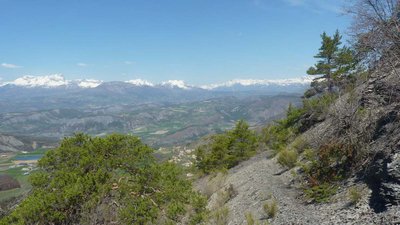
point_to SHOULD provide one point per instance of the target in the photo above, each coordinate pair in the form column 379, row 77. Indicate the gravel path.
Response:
column 256, row 182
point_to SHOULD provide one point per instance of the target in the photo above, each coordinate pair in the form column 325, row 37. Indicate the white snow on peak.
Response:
column 140, row 82
column 52, row 81
column 49, row 81
column 175, row 83
column 88, row 83
column 57, row 80
column 253, row 82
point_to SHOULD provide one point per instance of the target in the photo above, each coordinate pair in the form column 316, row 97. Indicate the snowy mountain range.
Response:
column 57, row 81
column 51, row 107
column 30, row 93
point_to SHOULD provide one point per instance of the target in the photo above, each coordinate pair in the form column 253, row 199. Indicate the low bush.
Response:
column 299, row 144
column 228, row 149
column 331, row 162
column 321, row 193
column 288, row 158
column 326, row 166
column 278, row 135
column 355, row 195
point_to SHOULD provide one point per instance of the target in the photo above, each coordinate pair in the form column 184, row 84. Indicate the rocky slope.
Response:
column 368, row 119
column 365, row 118
column 260, row 179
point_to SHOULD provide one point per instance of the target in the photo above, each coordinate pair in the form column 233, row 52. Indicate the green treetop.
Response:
column 334, row 61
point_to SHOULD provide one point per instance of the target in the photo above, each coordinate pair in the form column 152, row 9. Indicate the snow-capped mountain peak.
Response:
column 175, row 84
column 49, row 81
column 140, row 82
column 58, row 80
column 52, row 81
column 88, row 83
column 258, row 82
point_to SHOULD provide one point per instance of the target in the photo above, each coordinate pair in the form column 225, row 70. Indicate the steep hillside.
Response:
column 338, row 155
column 367, row 120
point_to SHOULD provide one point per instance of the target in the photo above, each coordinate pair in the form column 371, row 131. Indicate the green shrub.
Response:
column 293, row 115
column 199, row 211
column 326, row 166
column 321, row 193
column 279, row 135
column 288, row 158
column 117, row 175
column 271, row 208
column 228, row 149
column 332, row 163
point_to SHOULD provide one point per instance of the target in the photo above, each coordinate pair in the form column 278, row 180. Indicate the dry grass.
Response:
column 219, row 217
column 288, row 158
column 355, row 195
column 271, row 208
column 214, row 184
column 250, row 219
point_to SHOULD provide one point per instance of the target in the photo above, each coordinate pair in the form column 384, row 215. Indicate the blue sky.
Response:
column 199, row 41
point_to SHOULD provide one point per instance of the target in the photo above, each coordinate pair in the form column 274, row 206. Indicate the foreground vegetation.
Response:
column 114, row 179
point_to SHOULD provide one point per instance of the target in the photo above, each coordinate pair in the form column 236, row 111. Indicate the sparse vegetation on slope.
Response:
column 330, row 161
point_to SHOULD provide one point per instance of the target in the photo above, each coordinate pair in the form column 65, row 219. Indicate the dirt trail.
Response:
column 258, row 179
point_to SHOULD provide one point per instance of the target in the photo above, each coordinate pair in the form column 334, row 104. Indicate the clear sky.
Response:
column 199, row 41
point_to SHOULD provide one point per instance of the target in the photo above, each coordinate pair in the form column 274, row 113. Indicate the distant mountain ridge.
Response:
column 33, row 93
column 58, row 80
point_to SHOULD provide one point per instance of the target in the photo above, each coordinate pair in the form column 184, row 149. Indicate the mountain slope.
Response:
column 367, row 120
column 339, row 155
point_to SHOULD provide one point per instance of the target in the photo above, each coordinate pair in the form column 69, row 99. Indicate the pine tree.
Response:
column 334, row 61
